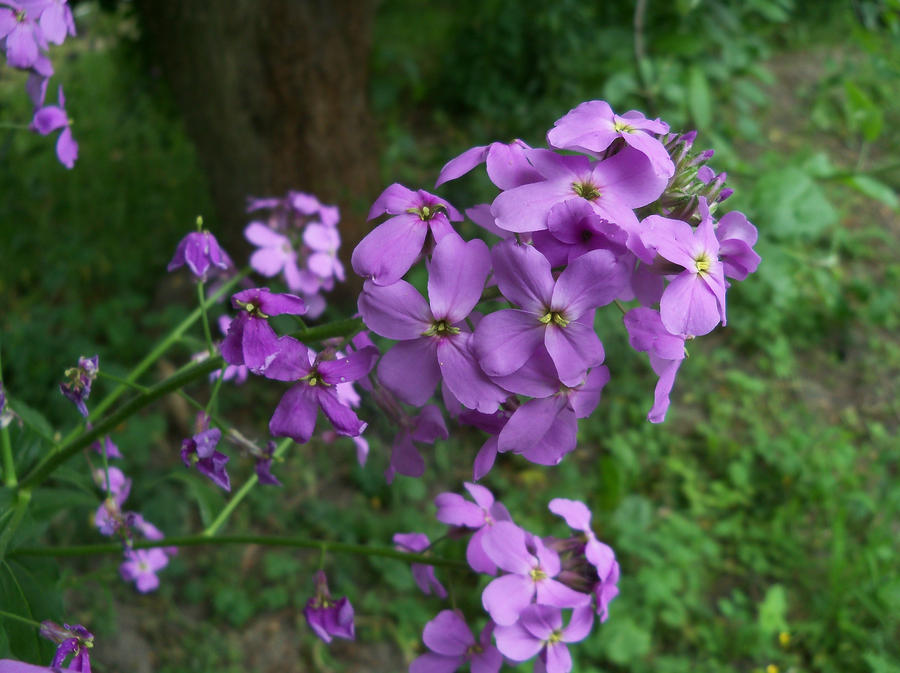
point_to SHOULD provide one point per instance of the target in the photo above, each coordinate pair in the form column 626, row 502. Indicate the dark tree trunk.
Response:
column 274, row 94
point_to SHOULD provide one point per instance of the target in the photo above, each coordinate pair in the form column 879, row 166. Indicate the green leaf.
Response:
column 624, row 641
column 773, row 611
column 23, row 595
column 33, row 419
column 874, row 189
column 790, row 204
column 208, row 497
column 699, row 98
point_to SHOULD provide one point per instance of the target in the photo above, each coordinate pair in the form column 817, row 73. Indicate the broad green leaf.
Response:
column 208, row 497
column 789, row 204
column 624, row 641
column 33, row 419
column 22, row 595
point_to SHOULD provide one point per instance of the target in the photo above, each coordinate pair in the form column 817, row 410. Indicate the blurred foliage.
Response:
column 755, row 528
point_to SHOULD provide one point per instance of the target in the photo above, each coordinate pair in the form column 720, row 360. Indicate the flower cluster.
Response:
column 299, row 240
column 140, row 565
column 625, row 215
column 71, row 641
column 27, row 28
column 539, row 581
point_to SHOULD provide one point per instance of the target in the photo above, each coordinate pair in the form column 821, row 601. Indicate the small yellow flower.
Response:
column 784, row 638
column 771, row 668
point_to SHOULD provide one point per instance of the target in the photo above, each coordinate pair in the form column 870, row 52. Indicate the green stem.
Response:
column 9, row 466
column 125, row 382
column 68, row 449
column 19, row 509
column 163, row 345
column 188, row 374
column 19, row 618
column 215, row 391
column 236, row 499
column 263, row 540
column 201, row 300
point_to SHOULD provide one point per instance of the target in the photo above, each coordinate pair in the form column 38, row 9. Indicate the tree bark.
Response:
column 274, row 95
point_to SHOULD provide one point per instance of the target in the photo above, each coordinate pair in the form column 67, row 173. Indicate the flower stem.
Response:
column 236, row 499
column 9, row 466
column 263, row 540
column 19, row 618
column 201, row 300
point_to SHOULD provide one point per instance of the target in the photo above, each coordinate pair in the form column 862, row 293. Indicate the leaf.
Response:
column 209, row 498
column 773, row 611
column 21, row 594
column 624, row 641
column 33, row 419
column 874, row 189
column 699, row 98
column 790, row 204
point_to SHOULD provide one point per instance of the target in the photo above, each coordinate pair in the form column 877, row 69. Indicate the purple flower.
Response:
column 507, row 165
column 52, row 117
column 327, row 617
column 454, row 510
column 423, row 574
column 612, row 187
column 263, row 466
column 200, row 451
column 12, row 666
column 452, row 644
column 592, row 127
column 251, row 340
column 141, row 566
column 275, row 255
column 24, row 38
column 694, row 301
column 316, row 387
column 737, row 236
column 237, row 373
column 390, row 249
column 200, row 251
column 426, row 427
column 434, row 340
column 323, row 242
column 71, row 640
column 78, row 386
column 55, row 18
column 539, row 630
column 106, row 445
column 556, row 313
column 646, row 333
column 606, row 590
column 530, row 575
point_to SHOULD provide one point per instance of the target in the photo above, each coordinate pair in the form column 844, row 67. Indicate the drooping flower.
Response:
column 141, row 565
column 75, row 641
column 327, row 617
column 390, row 249
column 23, row 35
column 646, row 333
column 316, row 380
column 78, row 386
column 452, row 645
column 539, row 630
column 425, row 427
column 423, row 574
column 52, row 117
column 200, row 451
column 263, row 466
column 200, row 251
column 251, row 340
column 737, row 236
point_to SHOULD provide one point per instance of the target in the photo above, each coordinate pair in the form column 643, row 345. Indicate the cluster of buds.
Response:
column 27, row 28
column 77, row 386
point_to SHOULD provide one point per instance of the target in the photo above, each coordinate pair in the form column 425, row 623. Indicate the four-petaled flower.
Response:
column 327, row 617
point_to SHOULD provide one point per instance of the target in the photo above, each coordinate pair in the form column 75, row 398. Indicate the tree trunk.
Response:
column 274, row 94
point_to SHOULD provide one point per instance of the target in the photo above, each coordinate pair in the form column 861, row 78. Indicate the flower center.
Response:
column 586, row 190
column 20, row 16
column 703, row 263
column 475, row 649
column 253, row 309
column 314, row 378
column 555, row 637
column 425, row 213
column 537, row 574
column 623, row 127
column 555, row 317
column 441, row 328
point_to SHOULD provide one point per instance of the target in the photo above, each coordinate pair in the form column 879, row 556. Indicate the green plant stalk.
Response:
column 263, row 540
column 230, row 506
column 19, row 618
column 9, row 468
column 201, row 300
column 161, row 347
column 178, row 380
column 19, row 509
